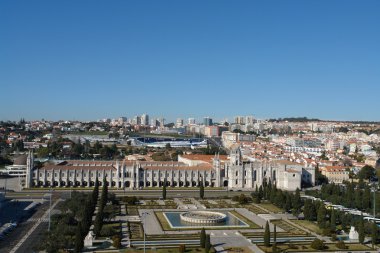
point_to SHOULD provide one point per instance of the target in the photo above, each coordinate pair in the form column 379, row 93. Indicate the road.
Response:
column 18, row 247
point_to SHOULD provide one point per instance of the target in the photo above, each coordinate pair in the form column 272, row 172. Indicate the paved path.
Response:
column 227, row 238
column 125, row 242
column 198, row 204
column 256, row 219
column 45, row 216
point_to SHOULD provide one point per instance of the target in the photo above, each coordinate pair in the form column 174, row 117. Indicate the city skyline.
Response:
column 77, row 61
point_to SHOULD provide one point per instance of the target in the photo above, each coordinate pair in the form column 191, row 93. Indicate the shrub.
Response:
column 318, row 244
column 107, row 231
column 116, row 241
column 182, row 248
column 341, row 245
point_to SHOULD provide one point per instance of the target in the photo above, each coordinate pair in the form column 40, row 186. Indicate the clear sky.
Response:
column 95, row 59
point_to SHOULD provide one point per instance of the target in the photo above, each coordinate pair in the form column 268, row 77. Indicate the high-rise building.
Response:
column 136, row 120
column 207, row 121
column 249, row 120
column 191, row 121
column 179, row 122
column 145, row 119
column 239, row 120
column 162, row 122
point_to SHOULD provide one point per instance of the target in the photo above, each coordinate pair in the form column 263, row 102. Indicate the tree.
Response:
column 203, row 238
column 267, row 235
column 78, row 239
column 366, row 198
column 374, row 234
column 182, row 248
column 333, row 220
column 367, row 172
column 361, row 230
column 297, row 202
column 116, row 241
column 201, row 190
column 164, row 190
column 207, row 244
column 341, row 245
column 318, row 244
column 321, row 216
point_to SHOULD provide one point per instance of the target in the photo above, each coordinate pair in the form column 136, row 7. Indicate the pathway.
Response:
column 125, row 242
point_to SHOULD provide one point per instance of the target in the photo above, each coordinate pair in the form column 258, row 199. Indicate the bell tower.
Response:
column 29, row 169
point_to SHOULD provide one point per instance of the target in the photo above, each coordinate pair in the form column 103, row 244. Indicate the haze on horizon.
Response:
column 90, row 60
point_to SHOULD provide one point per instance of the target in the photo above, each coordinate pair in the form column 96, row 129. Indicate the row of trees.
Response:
column 85, row 223
column 267, row 242
column 283, row 199
column 100, row 214
column 350, row 195
column 69, row 228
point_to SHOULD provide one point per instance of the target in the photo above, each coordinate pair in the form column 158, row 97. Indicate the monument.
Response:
column 353, row 235
column 88, row 240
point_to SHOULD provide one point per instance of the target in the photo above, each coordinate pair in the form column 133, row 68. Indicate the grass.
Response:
column 305, row 247
column 288, row 227
column 270, row 207
column 309, row 225
column 256, row 209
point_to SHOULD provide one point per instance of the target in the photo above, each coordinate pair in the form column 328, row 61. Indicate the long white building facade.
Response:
column 233, row 172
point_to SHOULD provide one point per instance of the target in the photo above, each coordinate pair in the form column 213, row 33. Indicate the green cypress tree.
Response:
column 267, row 235
column 201, row 190
column 274, row 234
column 164, row 190
column 78, row 239
column 361, row 230
column 321, row 216
column 207, row 244
column 374, row 234
column 203, row 238
column 333, row 220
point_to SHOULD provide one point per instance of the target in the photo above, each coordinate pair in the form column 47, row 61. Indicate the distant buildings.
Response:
column 207, row 121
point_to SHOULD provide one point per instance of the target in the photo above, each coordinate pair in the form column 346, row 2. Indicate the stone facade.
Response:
column 233, row 173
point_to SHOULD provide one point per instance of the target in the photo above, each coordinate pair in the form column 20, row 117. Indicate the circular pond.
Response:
column 203, row 217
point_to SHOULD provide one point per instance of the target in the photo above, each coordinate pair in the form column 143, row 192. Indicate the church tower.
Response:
column 29, row 169
column 236, row 168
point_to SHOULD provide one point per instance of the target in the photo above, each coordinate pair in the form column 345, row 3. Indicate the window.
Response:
column 55, row 174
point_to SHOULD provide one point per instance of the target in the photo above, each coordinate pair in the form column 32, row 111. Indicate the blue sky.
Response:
column 95, row 59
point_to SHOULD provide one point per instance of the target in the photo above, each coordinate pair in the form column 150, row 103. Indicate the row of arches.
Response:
column 126, row 184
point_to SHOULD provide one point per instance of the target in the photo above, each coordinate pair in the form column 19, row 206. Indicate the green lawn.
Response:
column 271, row 208
column 305, row 247
column 288, row 227
column 309, row 225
